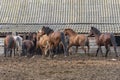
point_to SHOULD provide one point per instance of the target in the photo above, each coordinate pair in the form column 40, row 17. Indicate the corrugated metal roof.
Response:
column 59, row 11
column 80, row 28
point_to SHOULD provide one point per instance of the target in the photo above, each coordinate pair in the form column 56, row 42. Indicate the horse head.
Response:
column 46, row 30
column 94, row 31
column 69, row 31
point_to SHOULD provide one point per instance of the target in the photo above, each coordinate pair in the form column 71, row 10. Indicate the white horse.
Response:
column 18, row 40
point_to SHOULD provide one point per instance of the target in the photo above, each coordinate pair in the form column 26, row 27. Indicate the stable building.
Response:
column 25, row 16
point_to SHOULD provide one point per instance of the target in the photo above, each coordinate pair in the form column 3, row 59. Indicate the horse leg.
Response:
column 14, row 51
column 107, row 49
column 83, row 49
column 88, row 49
column 101, row 51
column 97, row 50
column 87, row 44
column 46, row 52
column 76, row 49
column 51, row 53
column 23, row 52
column 69, row 46
column 115, row 51
column 10, row 52
column 43, row 52
column 56, row 50
column 5, row 51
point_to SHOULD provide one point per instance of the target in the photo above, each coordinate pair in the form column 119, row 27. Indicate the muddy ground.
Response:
column 74, row 67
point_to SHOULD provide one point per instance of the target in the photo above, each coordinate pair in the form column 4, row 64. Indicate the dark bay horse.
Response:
column 29, row 46
column 9, row 45
column 76, row 39
column 103, row 39
column 55, row 37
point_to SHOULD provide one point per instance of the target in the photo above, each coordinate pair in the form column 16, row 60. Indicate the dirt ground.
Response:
column 74, row 67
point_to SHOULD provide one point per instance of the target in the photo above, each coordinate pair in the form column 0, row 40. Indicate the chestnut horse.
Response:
column 76, row 39
column 103, row 39
column 55, row 37
column 42, row 43
column 9, row 45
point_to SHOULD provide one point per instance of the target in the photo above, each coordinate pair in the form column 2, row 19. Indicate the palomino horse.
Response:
column 9, row 44
column 29, row 46
column 76, row 39
column 103, row 40
column 54, row 39
column 42, row 43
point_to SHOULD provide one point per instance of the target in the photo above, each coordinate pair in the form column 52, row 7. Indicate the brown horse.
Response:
column 9, row 44
column 54, row 39
column 29, row 46
column 76, row 39
column 103, row 40
column 42, row 43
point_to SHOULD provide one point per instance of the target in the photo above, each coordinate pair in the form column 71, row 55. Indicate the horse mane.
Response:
column 71, row 30
column 47, row 30
column 96, row 30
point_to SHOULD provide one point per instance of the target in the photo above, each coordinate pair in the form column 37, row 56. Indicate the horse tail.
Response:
column 64, row 43
column 19, row 39
column 23, row 49
column 114, row 43
column 11, row 42
column 87, row 43
column 113, row 40
column 5, row 47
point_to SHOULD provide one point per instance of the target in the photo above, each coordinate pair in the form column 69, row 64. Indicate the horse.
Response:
column 29, row 46
column 18, row 41
column 9, row 45
column 42, row 43
column 103, row 39
column 76, row 39
column 55, row 37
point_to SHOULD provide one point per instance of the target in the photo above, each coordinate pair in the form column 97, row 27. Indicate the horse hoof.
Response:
column 33, row 56
column 65, row 56
column 55, row 56
column 105, row 56
column 117, row 56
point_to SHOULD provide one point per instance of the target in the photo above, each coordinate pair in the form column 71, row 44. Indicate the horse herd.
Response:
column 49, row 42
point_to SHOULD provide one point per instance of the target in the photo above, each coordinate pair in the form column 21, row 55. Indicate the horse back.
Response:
column 28, row 43
column 43, row 41
column 55, row 37
column 9, row 42
column 104, row 37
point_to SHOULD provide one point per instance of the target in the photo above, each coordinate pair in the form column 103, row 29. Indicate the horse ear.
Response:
column 43, row 26
column 92, row 27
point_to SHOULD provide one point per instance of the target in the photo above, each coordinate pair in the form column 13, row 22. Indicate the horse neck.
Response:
column 97, row 36
column 50, row 33
column 72, row 34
